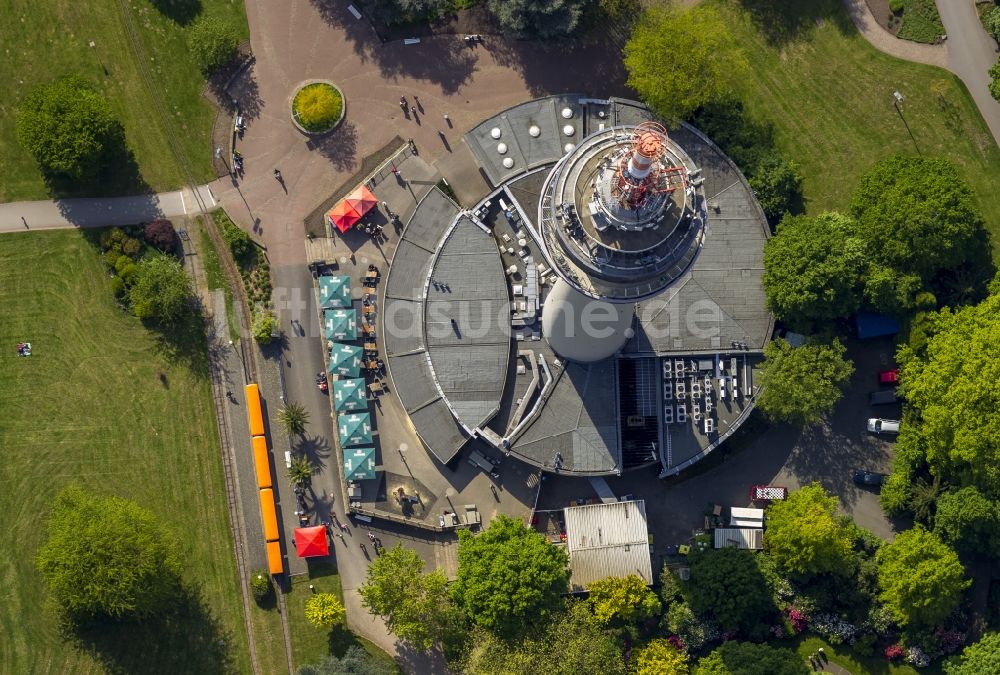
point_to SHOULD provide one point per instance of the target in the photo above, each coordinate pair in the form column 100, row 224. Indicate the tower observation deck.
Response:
column 622, row 217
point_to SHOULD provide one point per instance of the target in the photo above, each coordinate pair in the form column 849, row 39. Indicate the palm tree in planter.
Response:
column 300, row 472
column 293, row 417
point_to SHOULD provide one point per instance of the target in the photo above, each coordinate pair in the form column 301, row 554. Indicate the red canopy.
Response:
column 311, row 541
column 343, row 216
column 362, row 200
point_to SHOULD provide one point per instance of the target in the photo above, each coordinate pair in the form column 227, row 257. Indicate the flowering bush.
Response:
column 879, row 619
column 797, row 618
column 916, row 657
column 677, row 642
column 894, row 652
column 949, row 639
column 833, row 628
column 728, row 635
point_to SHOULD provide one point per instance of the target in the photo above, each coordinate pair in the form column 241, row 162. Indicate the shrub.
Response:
column 213, row 42
column 111, row 236
column 896, row 6
column 324, row 610
column 894, row 652
column 68, row 127
column 916, row 657
column 128, row 273
column 670, row 586
column 264, row 323
column 994, row 73
column 991, row 21
column 797, row 618
column 117, row 287
column 239, row 242
column 121, row 262
column 317, row 107
column 131, row 247
column 865, row 644
column 835, row 630
column 160, row 234
column 260, row 585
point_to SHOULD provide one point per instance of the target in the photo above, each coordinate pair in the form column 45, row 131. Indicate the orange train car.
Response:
column 269, row 515
column 274, row 561
column 261, row 463
column 255, row 412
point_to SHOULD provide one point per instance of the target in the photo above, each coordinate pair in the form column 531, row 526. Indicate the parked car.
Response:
column 882, row 397
column 862, row 477
column 880, row 426
column 889, row 376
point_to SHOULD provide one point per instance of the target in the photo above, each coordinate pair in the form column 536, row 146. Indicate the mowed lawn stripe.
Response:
column 90, row 406
column 829, row 95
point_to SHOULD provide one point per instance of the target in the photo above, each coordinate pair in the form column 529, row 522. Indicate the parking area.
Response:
column 780, row 455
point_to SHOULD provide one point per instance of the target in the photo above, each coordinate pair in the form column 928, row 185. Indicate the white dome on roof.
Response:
column 604, row 331
column 502, row 148
column 508, row 162
column 569, row 130
column 569, row 147
column 495, row 132
column 534, row 131
column 567, row 113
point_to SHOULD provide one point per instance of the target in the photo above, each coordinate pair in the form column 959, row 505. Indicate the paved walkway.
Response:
column 883, row 40
column 57, row 214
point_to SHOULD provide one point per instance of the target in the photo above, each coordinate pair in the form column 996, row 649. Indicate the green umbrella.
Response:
column 359, row 463
column 334, row 292
column 340, row 324
column 345, row 360
column 350, row 395
column 355, row 429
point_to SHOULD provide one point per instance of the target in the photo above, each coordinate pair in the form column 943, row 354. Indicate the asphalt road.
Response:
column 971, row 53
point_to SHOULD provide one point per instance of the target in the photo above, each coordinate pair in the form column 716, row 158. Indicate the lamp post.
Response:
column 242, row 362
column 218, row 155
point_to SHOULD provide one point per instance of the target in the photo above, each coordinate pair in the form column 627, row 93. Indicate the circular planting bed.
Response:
column 317, row 107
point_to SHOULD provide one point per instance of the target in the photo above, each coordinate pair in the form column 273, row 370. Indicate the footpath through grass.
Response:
column 829, row 95
column 102, row 403
column 46, row 40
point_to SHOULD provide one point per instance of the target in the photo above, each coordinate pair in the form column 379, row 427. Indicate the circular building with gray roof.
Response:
column 601, row 308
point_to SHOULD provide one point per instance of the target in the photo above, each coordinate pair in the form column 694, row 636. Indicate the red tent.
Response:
column 362, row 200
column 343, row 216
column 311, row 541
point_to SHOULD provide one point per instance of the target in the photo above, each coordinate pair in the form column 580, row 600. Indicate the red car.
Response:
column 889, row 376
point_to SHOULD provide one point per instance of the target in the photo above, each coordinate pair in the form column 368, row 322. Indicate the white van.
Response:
column 880, row 426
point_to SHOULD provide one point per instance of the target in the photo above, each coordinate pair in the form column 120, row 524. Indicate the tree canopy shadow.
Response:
column 340, row 146
column 785, row 21
column 182, row 12
column 564, row 66
column 243, row 92
column 184, row 342
column 187, row 639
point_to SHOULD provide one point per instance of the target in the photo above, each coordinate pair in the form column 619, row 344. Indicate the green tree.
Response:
column 748, row 658
column 680, row 59
column 681, row 620
column 991, row 21
column 161, row 291
column 293, row 416
column 213, row 41
column 301, row 471
column 68, row 127
column 324, row 610
column 572, row 643
column 890, row 292
column 978, row 658
column 510, row 578
column 920, row 579
column 107, row 557
column 802, row 384
column 994, row 74
column 923, row 496
column 726, row 584
column 355, row 661
column 805, row 536
column 541, row 19
column 952, row 392
column 777, row 184
column 969, row 522
column 659, row 657
column 916, row 215
column 264, row 323
column 393, row 12
column 415, row 606
column 623, row 600
column 814, row 269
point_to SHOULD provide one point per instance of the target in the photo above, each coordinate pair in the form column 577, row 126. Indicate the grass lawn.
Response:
column 856, row 663
column 102, row 404
column 921, row 21
column 53, row 39
column 216, row 277
column 828, row 93
column 311, row 644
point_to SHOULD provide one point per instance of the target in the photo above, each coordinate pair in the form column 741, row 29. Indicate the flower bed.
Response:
column 317, row 107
